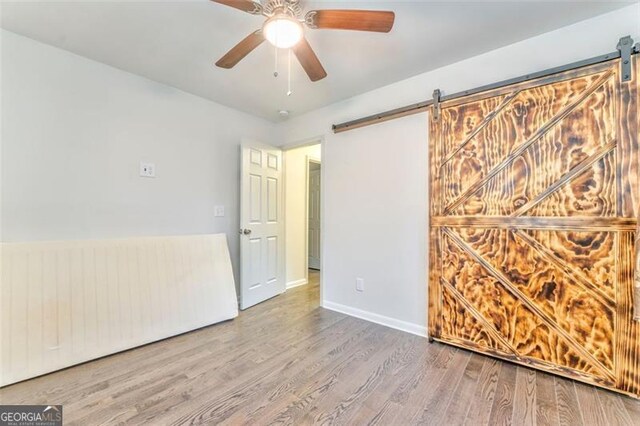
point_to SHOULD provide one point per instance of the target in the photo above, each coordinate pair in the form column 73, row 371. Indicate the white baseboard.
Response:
column 296, row 283
column 408, row 327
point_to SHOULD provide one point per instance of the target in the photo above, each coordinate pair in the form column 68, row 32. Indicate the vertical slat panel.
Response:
column 6, row 288
column 208, row 270
column 435, row 292
column 114, row 298
column 627, row 333
column 163, row 285
column 68, row 302
column 135, row 289
column 50, row 308
column 636, row 296
column 34, row 310
column 102, row 298
column 19, row 314
column 77, row 300
column 152, row 285
column 195, row 256
column 124, row 289
column 222, row 267
column 63, row 261
column 627, row 129
column 188, row 277
column 636, row 284
column 146, row 299
column 177, row 316
column 90, row 299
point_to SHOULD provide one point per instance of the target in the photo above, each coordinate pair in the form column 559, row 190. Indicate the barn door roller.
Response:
column 625, row 46
column 436, row 104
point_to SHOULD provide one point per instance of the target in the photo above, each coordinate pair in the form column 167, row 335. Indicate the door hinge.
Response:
column 436, row 104
column 626, row 47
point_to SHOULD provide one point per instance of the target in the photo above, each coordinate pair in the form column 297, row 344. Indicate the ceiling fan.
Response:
column 284, row 29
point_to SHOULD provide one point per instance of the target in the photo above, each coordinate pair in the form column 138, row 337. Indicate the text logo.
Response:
column 30, row 415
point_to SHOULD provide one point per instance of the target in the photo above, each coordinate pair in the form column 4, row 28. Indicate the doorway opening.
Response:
column 280, row 221
column 314, row 174
column 303, row 217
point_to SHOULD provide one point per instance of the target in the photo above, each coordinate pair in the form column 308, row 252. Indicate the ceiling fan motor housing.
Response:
column 287, row 7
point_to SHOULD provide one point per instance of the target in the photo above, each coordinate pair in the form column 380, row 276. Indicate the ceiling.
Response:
column 177, row 43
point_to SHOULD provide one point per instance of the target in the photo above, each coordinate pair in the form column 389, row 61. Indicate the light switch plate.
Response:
column 359, row 284
column 147, row 170
column 218, row 211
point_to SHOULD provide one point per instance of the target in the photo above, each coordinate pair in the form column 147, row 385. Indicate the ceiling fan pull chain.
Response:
column 289, row 76
column 275, row 65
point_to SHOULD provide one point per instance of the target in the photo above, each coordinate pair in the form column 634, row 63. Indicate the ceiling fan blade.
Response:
column 248, row 6
column 240, row 50
column 309, row 60
column 359, row 20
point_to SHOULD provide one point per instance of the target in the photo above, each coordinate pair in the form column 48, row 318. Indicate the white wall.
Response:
column 84, row 127
column 74, row 132
column 295, row 161
column 375, row 190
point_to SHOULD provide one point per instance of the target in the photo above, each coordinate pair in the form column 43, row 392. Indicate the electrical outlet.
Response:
column 218, row 211
column 359, row 284
column 147, row 170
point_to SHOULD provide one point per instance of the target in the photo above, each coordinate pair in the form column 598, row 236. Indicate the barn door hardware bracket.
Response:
column 624, row 50
column 626, row 47
column 436, row 104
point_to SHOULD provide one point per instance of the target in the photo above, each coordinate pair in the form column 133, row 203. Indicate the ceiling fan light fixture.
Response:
column 282, row 31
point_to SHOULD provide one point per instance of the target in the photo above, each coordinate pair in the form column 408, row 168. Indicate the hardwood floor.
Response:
column 289, row 361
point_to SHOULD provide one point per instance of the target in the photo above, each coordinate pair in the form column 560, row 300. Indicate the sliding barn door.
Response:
column 534, row 208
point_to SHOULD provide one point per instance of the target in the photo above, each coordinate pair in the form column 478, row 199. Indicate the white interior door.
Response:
column 261, row 224
column 314, row 215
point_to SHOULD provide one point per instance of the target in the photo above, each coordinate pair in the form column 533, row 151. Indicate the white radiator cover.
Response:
column 63, row 303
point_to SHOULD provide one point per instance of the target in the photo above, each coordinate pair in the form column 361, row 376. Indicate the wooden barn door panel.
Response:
column 534, row 209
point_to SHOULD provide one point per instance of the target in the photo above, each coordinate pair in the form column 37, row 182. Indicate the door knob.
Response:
column 246, row 231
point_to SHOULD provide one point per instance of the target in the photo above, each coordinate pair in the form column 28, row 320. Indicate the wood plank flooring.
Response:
column 289, row 361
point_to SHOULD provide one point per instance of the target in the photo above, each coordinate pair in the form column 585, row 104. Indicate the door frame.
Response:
column 317, row 140
column 310, row 159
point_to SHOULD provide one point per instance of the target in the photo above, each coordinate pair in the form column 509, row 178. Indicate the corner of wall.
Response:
column 408, row 327
column 296, row 283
